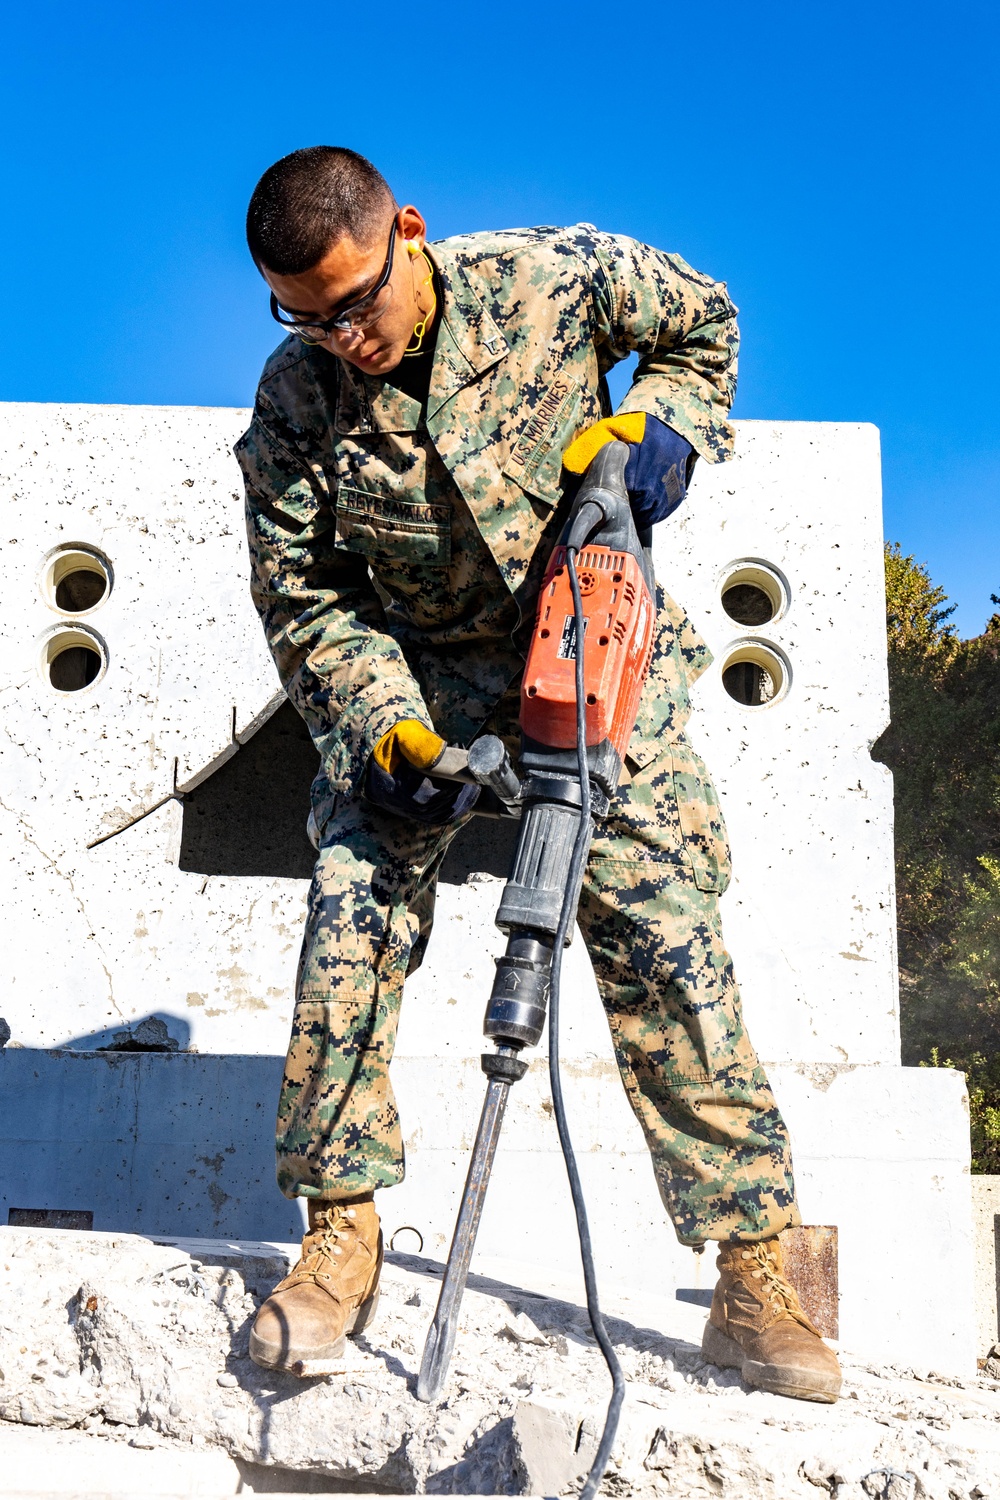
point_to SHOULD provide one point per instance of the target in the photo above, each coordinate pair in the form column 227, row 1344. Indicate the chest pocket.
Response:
column 535, row 461
column 392, row 531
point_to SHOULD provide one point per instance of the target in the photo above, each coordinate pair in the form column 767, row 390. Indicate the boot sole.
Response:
column 781, row 1380
column 326, row 1360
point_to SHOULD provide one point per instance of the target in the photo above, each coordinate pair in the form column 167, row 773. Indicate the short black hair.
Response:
column 309, row 200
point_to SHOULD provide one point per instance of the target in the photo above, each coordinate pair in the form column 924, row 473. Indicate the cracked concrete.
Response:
column 139, row 1344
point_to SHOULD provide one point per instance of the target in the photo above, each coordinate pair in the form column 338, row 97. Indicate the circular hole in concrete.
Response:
column 747, row 604
column 76, row 579
column 74, row 668
column 756, row 674
column 753, row 592
column 73, row 659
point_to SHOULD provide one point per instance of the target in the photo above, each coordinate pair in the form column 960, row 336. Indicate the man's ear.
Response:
column 413, row 228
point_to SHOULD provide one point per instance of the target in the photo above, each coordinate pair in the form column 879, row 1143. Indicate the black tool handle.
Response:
column 602, row 514
column 490, row 765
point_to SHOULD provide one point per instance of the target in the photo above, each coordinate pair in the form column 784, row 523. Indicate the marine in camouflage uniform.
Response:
column 397, row 552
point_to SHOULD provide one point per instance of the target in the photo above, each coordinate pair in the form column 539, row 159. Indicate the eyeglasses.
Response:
column 352, row 319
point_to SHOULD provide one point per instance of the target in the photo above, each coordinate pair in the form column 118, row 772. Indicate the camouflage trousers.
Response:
column 649, row 915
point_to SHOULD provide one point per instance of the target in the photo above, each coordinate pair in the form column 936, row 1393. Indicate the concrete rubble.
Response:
column 145, row 1344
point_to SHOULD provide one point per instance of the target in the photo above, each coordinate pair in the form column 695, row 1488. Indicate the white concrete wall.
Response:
column 113, row 930
column 810, row 916
column 986, row 1245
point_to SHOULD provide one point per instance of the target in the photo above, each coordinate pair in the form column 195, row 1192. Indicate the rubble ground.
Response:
column 142, row 1343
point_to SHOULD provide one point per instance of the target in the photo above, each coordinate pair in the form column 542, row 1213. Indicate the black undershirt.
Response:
column 412, row 375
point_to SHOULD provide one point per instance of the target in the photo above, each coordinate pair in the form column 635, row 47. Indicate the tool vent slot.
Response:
column 603, row 560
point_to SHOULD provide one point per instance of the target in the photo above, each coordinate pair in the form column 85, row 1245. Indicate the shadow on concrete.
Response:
column 170, row 1143
column 485, row 846
column 484, row 1467
column 160, row 1031
column 550, row 1313
column 249, row 818
column 269, row 1479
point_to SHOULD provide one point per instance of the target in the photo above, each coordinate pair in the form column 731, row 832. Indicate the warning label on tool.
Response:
column 567, row 643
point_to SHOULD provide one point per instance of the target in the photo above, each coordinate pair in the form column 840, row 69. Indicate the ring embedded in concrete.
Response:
column 754, row 592
column 72, row 658
column 76, row 579
column 756, row 673
column 406, row 1247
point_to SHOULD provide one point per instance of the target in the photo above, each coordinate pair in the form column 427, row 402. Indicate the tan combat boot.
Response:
column 756, row 1326
column 333, row 1291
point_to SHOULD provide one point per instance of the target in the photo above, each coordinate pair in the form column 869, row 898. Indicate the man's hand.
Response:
column 397, row 777
column 659, row 465
column 412, row 740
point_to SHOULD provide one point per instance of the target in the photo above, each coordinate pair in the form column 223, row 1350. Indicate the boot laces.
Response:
column 776, row 1290
column 332, row 1224
column 321, row 1250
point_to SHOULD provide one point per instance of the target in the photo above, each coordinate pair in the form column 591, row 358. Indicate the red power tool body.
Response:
column 618, row 636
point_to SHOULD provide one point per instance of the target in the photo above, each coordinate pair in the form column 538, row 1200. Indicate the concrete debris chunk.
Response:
column 134, row 1343
column 519, row 1329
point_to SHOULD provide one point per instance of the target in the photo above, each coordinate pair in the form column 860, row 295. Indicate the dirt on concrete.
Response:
column 141, row 1343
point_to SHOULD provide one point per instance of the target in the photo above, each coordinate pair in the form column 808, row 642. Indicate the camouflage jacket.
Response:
column 397, row 549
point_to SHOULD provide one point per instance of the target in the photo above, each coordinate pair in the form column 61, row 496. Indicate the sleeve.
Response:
column 322, row 616
column 683, row 327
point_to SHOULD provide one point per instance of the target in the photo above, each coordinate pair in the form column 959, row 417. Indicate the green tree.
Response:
column 943, row 747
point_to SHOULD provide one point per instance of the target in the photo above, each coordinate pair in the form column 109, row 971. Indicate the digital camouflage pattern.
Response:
column 397, row 550
column 649, row 912
column 650, row 917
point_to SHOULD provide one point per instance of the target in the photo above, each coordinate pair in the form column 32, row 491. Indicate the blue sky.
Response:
column 835, row 163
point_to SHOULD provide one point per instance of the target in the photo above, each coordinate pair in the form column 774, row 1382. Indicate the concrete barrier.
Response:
column 156, row 872
column 986, row 1247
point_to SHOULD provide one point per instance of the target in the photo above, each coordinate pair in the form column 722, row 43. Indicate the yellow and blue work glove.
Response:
column 659, row 465
column 411, row 740
column 397, row 777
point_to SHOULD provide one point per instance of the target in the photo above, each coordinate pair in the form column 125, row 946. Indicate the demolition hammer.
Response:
column 588, row 660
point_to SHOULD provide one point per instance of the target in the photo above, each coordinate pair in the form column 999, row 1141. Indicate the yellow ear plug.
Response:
column 420, row 329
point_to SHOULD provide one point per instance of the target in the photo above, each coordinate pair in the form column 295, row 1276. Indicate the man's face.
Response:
column 348, row 272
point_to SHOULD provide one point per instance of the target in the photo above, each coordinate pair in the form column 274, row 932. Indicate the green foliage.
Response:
column 943, row 747
column 914, row 607
column 983, row 1078
column 977, row 936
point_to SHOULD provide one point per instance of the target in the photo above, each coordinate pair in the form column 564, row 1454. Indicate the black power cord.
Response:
column 581, row 849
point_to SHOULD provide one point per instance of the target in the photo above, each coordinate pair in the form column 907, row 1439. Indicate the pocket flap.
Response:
column 706, row 842
column 289, row 492
column 535, row 462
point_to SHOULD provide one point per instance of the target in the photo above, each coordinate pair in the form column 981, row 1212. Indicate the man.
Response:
column 406, row 471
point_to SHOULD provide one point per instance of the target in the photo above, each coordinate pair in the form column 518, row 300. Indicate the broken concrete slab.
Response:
column 116, row 1340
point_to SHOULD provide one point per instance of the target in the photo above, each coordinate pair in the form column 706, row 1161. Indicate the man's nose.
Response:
column 346, row 338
